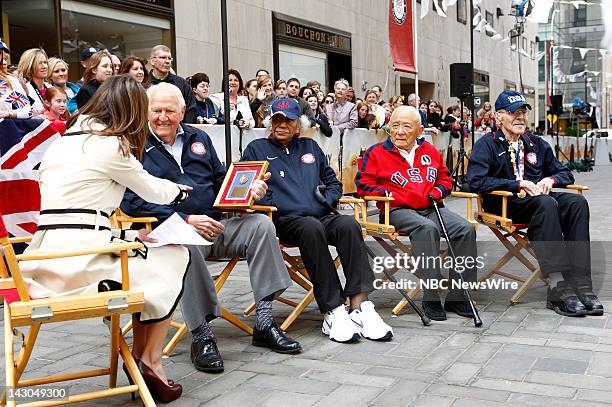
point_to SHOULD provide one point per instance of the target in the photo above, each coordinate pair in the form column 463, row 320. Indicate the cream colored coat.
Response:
column 89, row 172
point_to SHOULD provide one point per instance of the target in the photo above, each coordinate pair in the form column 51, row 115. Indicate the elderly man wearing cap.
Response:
column 514, row 161
column 305, row 189
column 184, row 154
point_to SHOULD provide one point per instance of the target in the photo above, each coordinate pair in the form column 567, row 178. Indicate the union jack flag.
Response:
column 3, row 87
column 22, row 145
column 17, row 100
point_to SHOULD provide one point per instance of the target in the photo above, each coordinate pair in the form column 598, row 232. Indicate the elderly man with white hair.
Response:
column 186, row 155
column 411, row 170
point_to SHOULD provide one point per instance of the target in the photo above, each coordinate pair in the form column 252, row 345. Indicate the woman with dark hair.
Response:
column 99, row 69
column 280, row 88
column 434, row 119
column 240, row 111
column 365, row 119
column 319, row 117
column 83, row 177
column 260, row 106
column 305, row 92
column 208, row 111
column 136, row 68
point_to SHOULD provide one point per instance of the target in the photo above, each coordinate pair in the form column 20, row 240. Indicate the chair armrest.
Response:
column 577, row 187
column 500, row 193
column 351, row 200
column 264, row 208
column 111, row 248
column 7, row 284
column 127, row 219
column 268, row 210
column 23, row 239
column 469, row 195
column 379, row 198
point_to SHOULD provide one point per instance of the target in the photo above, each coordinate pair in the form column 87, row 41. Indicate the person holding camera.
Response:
column 240, row 110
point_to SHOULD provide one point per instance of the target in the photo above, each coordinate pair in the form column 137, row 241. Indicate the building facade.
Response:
column 577, row 67
column 315, row 39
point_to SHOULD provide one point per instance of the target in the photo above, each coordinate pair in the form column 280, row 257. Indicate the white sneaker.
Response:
column 339, row 327
column 370, row 324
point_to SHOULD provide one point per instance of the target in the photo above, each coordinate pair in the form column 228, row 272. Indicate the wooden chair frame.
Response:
column 32, row 313
column 505, row 229
column 122, row 221
column 388, row 238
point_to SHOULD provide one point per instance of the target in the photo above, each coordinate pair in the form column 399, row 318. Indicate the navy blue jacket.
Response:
column 201, row 169
column 490, row 167
column 296, row 171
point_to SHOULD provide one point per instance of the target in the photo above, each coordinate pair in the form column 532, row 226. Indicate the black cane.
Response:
column 477, row 320
column 319, row 190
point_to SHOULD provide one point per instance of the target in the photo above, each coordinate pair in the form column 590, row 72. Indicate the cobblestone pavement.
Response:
column 524, row 355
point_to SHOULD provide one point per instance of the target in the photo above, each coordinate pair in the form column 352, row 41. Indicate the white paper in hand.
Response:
column 175, row 230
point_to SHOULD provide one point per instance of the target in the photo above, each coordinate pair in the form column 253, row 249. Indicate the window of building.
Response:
column 304, row 64
column 27, row 24
column 489, row 19
column 580, row 17
column 524, row 44
column 534, row 50
column 462, row 11
column 513, row 42
column 121, row 32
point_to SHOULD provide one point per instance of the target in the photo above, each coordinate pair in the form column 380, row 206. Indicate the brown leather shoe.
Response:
column 164, row 391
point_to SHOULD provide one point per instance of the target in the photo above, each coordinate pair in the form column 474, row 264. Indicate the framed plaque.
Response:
column 235, row 191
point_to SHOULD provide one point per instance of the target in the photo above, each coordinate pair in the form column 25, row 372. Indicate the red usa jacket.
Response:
column 385, row 171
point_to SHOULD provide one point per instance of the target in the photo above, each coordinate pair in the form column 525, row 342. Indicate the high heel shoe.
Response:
column 164, row 391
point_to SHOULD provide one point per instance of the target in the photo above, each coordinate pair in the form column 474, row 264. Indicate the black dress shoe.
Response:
column 205, row 356
column 274, row 338
column 589, row 300
column 461, row 308
column 563, row 300
column 434, row 310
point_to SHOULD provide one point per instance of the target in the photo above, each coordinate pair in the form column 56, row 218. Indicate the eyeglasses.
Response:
column 519, row 112
column 165, row 58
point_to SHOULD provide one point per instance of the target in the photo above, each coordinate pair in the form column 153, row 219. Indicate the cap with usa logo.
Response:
column 286, row 107
column 511, row 101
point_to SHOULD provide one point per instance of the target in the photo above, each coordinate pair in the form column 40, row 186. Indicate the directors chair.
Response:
column 22, row 311
column 505, row 229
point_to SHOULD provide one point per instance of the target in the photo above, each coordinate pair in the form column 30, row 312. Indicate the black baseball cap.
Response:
column 88, row 52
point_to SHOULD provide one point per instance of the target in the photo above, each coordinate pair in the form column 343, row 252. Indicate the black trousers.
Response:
column 313, row 235
column 558, row 231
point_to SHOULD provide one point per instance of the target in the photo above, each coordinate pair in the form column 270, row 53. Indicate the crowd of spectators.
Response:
column 23, row 93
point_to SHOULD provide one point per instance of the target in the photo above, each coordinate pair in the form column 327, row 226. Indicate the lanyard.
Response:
column 40, row 96
column 519, row 168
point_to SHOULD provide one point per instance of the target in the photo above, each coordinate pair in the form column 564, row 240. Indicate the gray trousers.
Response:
column 252, row 236
column 424, row 230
